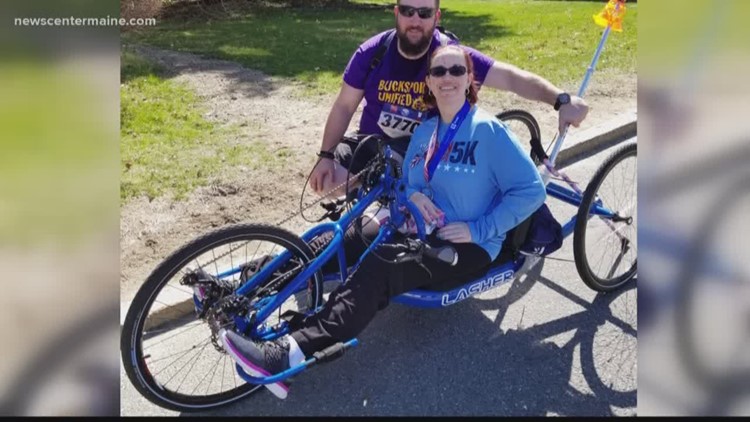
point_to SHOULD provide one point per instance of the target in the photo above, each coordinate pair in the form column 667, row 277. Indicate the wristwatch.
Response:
column 563, row 98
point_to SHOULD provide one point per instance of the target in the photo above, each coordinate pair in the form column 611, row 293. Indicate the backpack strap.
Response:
column 446, row 36
column 383, row 45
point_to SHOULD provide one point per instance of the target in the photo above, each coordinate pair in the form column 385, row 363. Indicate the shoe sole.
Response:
column 279, row 389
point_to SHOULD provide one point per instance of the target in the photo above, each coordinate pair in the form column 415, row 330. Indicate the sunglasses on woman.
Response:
column 409, row 11
column 440, row 71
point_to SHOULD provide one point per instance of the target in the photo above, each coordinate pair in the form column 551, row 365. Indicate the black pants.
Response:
column 352, row 306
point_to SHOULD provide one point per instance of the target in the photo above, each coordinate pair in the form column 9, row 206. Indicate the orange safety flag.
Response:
column 611, row 15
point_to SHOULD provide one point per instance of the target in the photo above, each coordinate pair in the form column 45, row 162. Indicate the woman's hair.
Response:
column 429, row 99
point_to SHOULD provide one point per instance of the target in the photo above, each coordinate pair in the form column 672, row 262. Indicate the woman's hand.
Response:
column 429, row 211
column 455, row 232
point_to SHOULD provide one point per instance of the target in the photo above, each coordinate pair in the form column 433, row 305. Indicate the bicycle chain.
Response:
column 323, row 197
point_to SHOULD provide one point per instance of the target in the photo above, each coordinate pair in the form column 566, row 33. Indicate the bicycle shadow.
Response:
column 459, row 361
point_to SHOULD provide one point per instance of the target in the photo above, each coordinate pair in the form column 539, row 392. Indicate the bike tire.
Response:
column 137, row 369
column 602, row 185
column 527, row 131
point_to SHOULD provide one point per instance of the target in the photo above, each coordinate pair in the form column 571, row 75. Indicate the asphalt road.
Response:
column 544, row 344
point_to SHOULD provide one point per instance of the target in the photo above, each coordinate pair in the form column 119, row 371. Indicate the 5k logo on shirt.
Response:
column 463, row 153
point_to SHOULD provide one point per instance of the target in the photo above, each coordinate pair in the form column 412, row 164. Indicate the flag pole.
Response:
column 561, row 136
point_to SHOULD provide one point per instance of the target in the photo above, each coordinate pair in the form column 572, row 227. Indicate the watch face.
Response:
column 562, row 99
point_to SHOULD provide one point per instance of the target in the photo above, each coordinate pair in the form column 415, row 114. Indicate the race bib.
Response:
column 397, row 121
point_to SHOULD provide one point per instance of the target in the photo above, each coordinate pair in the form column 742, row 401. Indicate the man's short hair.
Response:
column 437, row 3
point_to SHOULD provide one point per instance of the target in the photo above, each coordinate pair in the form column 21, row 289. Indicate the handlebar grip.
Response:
column 446, row 254
column 330, row 353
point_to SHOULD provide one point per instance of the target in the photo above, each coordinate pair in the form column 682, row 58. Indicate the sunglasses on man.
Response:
column 440, row 71
column 409, row 11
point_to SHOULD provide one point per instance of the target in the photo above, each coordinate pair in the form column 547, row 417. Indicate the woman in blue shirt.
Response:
column 466, row 174
column 483, row 182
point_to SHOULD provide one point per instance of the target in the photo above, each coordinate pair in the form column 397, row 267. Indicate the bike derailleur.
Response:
column 224, row 314
column 207, row 290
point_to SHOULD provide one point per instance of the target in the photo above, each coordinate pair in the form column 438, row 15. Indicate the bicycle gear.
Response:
column 223, row 314
column 207, row 289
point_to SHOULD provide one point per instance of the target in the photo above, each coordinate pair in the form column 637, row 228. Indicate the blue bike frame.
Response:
column 392, row 190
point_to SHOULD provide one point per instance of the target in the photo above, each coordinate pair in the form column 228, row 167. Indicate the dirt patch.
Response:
column 274, row 111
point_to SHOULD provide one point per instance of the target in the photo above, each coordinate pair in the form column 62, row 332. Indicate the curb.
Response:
column 598, row 138
column 581, row 145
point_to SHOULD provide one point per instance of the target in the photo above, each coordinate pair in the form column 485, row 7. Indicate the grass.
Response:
column 167, row 146
column 555, row 39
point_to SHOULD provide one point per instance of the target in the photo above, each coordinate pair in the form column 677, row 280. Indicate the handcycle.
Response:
column 261, row 279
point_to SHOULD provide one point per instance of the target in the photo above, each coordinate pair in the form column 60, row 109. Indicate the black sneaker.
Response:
column 259, row 360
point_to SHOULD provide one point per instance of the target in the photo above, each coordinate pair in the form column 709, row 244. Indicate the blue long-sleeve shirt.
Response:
column 486, row 180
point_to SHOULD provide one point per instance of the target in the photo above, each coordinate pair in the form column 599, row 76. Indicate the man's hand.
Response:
column 572, row 113
column 322, row 175
column 429, row 211
column 455, row 232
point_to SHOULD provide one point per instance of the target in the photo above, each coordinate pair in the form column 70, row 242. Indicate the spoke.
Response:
column 234, row 376
column 173, row 354
column 216, row 266
column 223, row 368
column 176, row 322
column 195, row 360
column 599, row 264
column 616, row 263
column 174, row 361
column 172, row 336
column 256, row 251
column 246, row 260
column 166, row 305
column 208, row 385
column 231, row 261
column 183, row 290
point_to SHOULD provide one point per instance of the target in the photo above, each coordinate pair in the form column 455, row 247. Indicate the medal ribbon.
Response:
column 433, row 158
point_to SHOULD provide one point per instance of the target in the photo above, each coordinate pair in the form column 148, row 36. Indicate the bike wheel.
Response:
column 605, row 249
column 524, row 126
column 713, row 302
column 171, row 356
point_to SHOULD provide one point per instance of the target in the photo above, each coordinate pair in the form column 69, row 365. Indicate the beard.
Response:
column 410, row 48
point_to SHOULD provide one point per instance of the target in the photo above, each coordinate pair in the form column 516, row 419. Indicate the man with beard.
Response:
column 392, row 83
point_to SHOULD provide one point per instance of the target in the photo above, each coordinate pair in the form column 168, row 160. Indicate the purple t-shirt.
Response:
column 394, row 90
